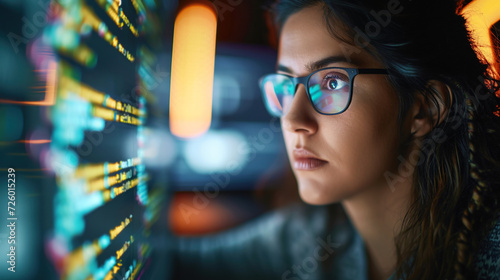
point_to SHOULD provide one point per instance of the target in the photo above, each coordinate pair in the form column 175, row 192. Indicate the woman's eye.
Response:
column 334, row 83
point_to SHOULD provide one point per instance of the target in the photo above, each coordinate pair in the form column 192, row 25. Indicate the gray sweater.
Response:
column 294, row 243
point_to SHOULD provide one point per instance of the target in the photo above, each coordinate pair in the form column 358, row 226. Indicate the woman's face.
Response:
column 340, row 156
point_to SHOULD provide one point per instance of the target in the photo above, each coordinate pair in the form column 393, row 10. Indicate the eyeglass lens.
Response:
column 328, row 89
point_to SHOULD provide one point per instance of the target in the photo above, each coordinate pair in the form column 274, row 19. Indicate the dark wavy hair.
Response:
column 455, row 196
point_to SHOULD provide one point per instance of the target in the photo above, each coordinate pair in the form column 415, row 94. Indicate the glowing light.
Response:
column 160, row 149
column 481, row 15
column 220, row 151
column 193, row 60
column 50, row 90
column 36, row 141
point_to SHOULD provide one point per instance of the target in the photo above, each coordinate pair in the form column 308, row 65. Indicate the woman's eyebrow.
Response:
column 283, row 68
column 313, row 66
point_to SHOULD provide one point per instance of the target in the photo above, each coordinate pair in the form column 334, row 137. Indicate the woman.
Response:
column 387, row 109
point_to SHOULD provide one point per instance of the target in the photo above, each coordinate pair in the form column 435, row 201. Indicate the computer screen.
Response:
column 76, row 106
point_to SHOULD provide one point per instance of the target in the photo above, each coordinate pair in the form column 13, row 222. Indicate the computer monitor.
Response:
column 76, row 108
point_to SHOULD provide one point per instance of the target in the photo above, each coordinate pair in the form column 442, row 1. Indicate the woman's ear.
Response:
column 430, row 110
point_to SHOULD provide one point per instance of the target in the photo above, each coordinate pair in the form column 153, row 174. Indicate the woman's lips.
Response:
column 306, row 160
column 308, row 163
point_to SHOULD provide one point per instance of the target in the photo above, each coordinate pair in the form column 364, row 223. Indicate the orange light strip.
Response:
column 50, row 90
column 481, row 15
column 38, row 141
column 193, row 60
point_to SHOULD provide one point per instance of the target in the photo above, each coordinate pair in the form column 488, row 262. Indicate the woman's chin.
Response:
column 315, row 194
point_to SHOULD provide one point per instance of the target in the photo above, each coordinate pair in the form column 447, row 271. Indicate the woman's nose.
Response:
column 300, row 116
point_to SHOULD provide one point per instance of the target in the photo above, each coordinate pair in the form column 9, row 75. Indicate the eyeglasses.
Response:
column 329, row 89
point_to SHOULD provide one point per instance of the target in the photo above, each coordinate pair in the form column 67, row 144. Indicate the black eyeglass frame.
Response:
column 352, row 72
